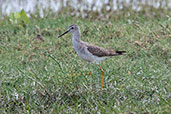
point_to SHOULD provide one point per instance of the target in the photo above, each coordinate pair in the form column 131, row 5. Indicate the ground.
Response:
column 40, row 73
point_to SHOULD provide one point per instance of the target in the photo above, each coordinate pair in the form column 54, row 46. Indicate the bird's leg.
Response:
column 102, row 75
column 89, row 70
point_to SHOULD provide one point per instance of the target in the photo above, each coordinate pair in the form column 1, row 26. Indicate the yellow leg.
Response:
column 89, row 70
column 102, row 75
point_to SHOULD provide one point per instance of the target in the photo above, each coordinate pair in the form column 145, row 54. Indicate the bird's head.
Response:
column 72, row 28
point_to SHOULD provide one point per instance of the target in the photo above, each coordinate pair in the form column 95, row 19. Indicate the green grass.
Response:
column 48, row 77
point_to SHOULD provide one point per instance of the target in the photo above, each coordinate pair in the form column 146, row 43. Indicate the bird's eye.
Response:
column 72, row 27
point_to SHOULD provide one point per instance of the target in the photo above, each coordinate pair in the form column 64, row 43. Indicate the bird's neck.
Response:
column 76, row 36
column 76, row 41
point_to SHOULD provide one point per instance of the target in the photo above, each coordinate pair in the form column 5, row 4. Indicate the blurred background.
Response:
column 87, row 8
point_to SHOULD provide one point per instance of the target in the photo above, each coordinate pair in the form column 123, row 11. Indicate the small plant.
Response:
column 19, row 18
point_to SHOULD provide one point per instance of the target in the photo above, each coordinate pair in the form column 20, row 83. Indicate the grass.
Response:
column 48, row 77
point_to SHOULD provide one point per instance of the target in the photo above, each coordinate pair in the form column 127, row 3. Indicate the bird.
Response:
column 89, row 52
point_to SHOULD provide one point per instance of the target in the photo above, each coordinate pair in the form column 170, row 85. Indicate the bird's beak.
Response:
column 63, row 33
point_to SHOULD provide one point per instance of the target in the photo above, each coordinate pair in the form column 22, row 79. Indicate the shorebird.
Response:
column 88, row 52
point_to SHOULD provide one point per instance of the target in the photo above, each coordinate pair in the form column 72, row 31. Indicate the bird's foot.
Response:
column 89, row 73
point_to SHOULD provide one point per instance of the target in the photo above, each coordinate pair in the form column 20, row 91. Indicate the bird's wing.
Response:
column 101, row 52
column 97, row 51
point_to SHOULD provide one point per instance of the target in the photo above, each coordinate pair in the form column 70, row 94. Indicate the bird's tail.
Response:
column 120, row 52
column 116, row 53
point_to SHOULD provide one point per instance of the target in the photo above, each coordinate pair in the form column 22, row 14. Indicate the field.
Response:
column 42, row 74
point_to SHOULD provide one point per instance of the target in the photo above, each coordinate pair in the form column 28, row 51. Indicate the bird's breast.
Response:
column 82, row 52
